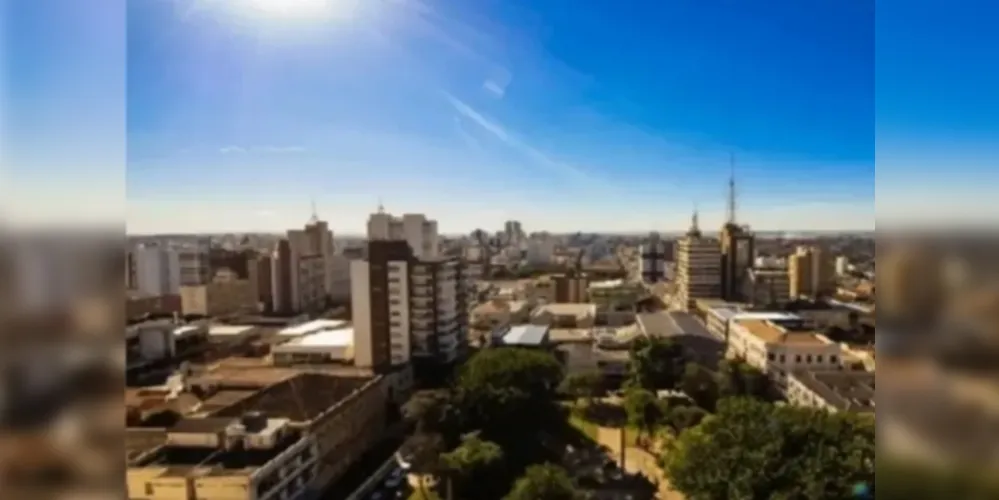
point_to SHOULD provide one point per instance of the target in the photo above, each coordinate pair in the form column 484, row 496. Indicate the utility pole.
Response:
column 623, row 450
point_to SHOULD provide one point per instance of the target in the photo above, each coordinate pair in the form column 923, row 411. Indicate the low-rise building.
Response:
column 522, row 336
column 565, row 315
column 498, row 312
column 251, row 457
column 778, row 347
column 225, row 295
column 615, row 295
column 832, row 390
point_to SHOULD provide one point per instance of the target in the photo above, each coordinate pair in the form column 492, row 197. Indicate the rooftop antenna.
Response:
column 315, row 214
column 730, row 209
column 381, row 207
column 695, row 229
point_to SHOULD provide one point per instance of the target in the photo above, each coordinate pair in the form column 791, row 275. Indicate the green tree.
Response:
column 434, row 412
column 701, row 385
column 589, row 385
column 507, row 390
column 754, row 450
column 645, row 412
column 656, row 363
column 475, row 468
column 547, row 481
column 736, row 378
column 423, row 452
column 681, row 418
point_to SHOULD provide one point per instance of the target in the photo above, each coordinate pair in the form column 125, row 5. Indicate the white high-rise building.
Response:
column 415, row 229
column 157, row 271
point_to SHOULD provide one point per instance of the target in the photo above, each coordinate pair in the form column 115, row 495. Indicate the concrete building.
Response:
column 540, row 251
column 654, row 255
column 842, row 265
column 810, row 273
column 565, row 315
column 766, row 287
column 260, row 274
column 321, row 347
column 261, row 435
column 779, row 347
column 737, row 256
column 407, row 307
column 834, row 390
column 571, row 288
column 223, row 296
column 299, row 277
column 155, row 271
column 615, row 295
column 498, row 312
column 195, row 264
column 522, row 336
column 698, row 267
column 513, row 232
column 415, row 229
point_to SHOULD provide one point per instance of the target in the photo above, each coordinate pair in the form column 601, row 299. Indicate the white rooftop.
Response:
column 607, row 284
column 184, row 330
column 340, row 337
column 227, row 330
column 313, row 327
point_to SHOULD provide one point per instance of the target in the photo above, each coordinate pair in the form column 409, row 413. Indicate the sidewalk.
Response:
column 637, row 460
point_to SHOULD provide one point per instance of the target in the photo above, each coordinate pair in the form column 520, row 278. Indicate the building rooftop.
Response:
column 844, row 390
column 186, row 330
column 657, row 324
column 139, row 441
column 607, row 284
column 229, row 330
column 567, row 309
column 301, row 398
column 775, row 333
column 342, row 337
column 183, row 461
column 313, row 326
column 526, row 335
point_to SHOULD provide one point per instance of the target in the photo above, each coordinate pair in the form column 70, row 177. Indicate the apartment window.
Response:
column 395, row 324
column 394, row 302
column 771, row 356
column 797, row 358
column 149, row 489
column 808, row 359
column 818, row 359
column 783, row 359
column 393, row 280
column 832, row 359
column 395, row 313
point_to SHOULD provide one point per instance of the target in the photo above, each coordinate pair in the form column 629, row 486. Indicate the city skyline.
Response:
column 236, row 118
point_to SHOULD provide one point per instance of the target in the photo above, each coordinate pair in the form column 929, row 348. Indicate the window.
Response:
column 149, row 489
column 783, row 359
column 394, row 313
column 833, row 359
column 771, row 356
column 797, row 358
column 818, row 359
column 808, row 359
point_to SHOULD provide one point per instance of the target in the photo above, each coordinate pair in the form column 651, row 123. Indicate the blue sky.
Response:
column 565, row 115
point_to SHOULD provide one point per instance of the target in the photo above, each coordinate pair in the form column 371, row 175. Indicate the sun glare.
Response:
column 304, row 9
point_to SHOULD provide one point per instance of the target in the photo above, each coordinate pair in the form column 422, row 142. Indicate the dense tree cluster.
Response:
column 546, row 481
column 755, row 450
column 483, row 429
column 656, row 363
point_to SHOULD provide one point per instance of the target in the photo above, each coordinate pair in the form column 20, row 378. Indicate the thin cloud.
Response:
column 494, row 88
column 497, row 130
column 497, row 84
column 261, row 149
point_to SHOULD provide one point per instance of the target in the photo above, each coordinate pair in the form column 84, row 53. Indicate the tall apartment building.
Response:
column 195, row 265
column 513, row 232
column 810, row 273
column 155, row 271
column 415, row 229
column 737, row 256
column 698, row 267
column 260, row 274
column 407, row 308
column 298, row 277
column 737, row 249
column 653, row 258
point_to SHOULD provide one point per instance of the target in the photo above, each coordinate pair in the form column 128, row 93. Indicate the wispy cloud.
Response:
column 261, row 149
column 571, row 172
column 496, row 84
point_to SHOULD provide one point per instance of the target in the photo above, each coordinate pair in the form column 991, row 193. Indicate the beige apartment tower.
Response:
column 810, row 273
column 698, row 267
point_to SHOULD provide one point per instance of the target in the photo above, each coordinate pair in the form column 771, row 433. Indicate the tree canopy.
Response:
column 547, row 481
column 476, row 468
column 656, row 363
column 755, row 450
column 500, row 389
column 738, row 378
column 645, row 412
column 583, row 385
